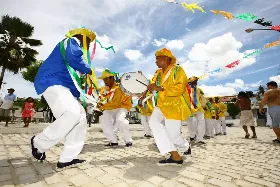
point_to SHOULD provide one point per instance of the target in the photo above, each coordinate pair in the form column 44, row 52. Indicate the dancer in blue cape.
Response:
column 59, row 83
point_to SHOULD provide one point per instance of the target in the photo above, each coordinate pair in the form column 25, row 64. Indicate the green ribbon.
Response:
column 158, row 84
column 72, row 71
column 107, row 48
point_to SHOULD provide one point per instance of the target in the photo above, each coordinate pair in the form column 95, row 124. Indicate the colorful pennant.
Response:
column 246, row 17
column 276, row 27
column 215, row 71
column 273, row 44
column 192, row 7
column 228, row 15
column 233, row 64
column 263, row 22
column 257, row 52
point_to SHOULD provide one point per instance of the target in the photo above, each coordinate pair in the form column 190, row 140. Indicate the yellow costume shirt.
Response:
column 210, row 111
column 174, row 102
column 223, row 109
column 148, row 109
column 118, row 100
column 200, row 100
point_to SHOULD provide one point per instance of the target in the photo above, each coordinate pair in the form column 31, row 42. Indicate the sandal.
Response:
column 254, row 136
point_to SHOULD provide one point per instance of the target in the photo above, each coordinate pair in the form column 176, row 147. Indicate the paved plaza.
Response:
column 225, row 161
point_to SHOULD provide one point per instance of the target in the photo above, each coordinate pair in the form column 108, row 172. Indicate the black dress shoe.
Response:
column 128, row 144
column 170, row 161
column 35, row 153
column 188, row 152
column 73, row 163
column 111, row 144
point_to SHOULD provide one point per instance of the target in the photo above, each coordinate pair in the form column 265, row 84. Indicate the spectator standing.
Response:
column 7, row 105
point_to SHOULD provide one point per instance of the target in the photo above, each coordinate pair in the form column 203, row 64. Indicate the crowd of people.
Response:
column 170, row 99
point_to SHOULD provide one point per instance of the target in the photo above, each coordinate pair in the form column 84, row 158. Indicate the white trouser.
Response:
column 224, row 126
column 145, row 123
column 196, row 125
column 168, row 135
column 112, row 120
column 70, row 124
column 217, row 126
column 209, row 124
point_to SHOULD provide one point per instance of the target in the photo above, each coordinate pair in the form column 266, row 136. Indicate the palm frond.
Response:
column 32, row 42
column 16, row 26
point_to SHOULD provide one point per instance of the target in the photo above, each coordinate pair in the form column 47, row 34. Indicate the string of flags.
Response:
column 245, row 16
column 237, row 62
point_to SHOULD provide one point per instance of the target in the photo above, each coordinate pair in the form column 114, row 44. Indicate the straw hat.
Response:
column 82, row 31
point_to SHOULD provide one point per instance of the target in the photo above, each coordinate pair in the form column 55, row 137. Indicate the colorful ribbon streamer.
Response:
column 192, row 7
column 107, row 48
column 246, row 17
column 93, row 51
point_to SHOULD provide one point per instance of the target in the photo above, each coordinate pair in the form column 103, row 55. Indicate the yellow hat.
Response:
column 168, row 53
column 106, row 73
column 192, row 79
column 82, row 31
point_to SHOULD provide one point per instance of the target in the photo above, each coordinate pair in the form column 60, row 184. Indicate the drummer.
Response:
column 115, row 105
column 172, row 104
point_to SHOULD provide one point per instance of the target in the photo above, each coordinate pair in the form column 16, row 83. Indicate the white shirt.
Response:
column 8, row 102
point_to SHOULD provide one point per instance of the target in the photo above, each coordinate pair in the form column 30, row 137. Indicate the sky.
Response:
column 137, row 28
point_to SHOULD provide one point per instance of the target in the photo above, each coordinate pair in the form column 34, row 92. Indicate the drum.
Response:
column 133, row 84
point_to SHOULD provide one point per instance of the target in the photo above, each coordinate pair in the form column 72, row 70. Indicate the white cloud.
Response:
column 133, row 54
column 171, row 44
column 99, row 69
column 175, row 44
column 238, row 83
column 216, row 53
column 159, row 43
column 275, row 78
column 218, row 90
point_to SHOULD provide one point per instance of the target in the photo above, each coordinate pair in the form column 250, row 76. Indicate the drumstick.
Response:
column 141, row 82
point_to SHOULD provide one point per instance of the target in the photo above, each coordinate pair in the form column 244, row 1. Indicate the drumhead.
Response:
column 130, row 84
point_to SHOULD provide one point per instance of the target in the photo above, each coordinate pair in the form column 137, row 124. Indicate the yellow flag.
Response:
column 191, row 7
column 273, row 44
column 202, row 76
column 228, row 15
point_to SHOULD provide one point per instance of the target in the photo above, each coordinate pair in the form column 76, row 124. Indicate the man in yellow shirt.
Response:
column 115, row 105
column 221, row 113
column 171, row 106
column 145, row 105
column 196, row 124
column 210, row 118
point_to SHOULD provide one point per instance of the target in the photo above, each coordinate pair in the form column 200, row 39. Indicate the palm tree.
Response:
column 260, row 92
column 15, row 45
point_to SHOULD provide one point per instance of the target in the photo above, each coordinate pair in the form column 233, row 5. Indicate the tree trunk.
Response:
column 2, row 76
